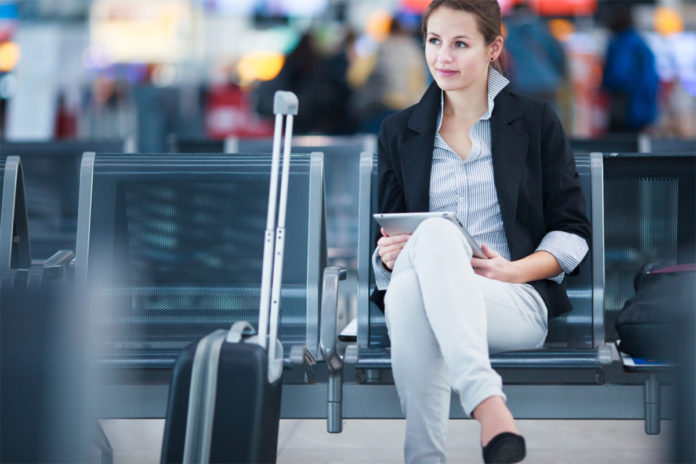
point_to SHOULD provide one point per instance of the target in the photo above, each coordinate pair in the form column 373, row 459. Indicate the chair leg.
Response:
column 652, row 405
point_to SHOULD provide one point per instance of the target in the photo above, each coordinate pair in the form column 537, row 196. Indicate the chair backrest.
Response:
column 51, row 173
column 15, row 251
column 609, row 144
column 581, row 328
column 341, row 160
column 671, row 145
column 176, row 241
column 198, row 145
column 651, row 209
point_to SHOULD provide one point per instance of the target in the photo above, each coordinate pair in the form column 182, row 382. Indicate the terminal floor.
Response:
column 380, row 441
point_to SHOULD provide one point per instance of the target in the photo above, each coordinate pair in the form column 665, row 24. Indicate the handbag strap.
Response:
column 690, row 267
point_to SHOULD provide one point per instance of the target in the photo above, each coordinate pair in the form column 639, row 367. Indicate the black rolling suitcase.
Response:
column 224, row 399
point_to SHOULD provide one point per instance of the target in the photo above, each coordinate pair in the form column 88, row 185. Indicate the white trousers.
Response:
column 443, row 321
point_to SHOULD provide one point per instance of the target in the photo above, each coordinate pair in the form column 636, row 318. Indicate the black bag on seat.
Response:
column 646, row 324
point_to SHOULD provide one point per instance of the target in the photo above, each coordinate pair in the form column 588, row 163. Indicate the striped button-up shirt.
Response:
column 466, row 187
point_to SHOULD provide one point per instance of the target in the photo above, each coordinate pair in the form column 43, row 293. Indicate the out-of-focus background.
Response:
column 172, row 256
column 154, row 69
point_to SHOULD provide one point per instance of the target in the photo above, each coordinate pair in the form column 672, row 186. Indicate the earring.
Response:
column 492, row 59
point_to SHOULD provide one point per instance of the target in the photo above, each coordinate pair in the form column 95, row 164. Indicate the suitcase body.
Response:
column 247, row 407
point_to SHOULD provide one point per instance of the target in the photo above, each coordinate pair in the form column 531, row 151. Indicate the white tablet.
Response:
column 406, row 223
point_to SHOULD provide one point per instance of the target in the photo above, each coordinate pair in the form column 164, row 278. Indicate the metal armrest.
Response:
column 328, row 345
column 55, row 267
column 328, row 336
column 60, row 259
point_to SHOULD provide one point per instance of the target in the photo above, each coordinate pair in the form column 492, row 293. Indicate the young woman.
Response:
column 501, row 161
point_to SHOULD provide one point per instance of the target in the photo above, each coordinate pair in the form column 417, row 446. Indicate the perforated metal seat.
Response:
column 175, row 244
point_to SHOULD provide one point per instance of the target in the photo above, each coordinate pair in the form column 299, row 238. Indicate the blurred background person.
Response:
column 630, row 76
column 298, row 75
column 320, row 83
column 537, row 60
column 396, row 82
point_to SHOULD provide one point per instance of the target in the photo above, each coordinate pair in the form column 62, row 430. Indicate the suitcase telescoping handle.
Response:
column 285, row 105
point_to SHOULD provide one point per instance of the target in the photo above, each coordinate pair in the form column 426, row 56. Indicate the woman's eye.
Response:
column 460, row 44
column 434, row 41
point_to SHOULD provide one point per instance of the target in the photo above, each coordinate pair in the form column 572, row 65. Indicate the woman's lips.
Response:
column 446, row 72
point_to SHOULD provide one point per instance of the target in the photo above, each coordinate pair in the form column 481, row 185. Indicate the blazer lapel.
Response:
column 417, row 150
column 509, row 145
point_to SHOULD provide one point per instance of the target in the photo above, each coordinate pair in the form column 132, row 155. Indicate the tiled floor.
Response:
column 380, row 441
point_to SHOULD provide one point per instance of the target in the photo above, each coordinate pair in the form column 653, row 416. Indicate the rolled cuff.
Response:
column 382, row 276
column 568, row 249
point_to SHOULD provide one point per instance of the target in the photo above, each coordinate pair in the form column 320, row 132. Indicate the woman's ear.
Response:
column 496, row 48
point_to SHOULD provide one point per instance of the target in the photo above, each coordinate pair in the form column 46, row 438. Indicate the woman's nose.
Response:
column 444, row 55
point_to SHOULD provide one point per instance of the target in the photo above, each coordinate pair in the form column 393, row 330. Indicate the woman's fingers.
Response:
column 390, row 247
column 393, row 240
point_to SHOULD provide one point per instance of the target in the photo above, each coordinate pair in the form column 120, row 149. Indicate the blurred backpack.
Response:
column 648, row 321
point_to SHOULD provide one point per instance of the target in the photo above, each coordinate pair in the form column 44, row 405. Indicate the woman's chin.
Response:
column 448, row 85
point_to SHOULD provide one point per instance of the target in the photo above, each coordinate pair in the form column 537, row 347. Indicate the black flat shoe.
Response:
column 504, row 448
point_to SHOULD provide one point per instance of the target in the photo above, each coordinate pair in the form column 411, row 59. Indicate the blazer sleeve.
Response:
column 564, row 202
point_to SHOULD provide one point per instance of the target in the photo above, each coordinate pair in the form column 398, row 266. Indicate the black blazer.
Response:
column 534, row 171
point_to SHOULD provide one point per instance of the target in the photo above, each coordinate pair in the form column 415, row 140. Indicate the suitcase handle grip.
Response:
column 238, row 331
column 285, row 102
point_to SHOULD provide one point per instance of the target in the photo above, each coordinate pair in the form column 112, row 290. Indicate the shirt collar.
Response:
column 496, row 83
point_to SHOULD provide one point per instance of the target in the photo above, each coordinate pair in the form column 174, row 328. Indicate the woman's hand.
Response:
column 496, row 267
column 389, row 248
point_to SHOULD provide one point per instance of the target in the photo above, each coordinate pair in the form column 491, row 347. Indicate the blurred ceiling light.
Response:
column 300, row 7
column 260, row 65
column 668, row 21
column 561, row 29
column 378, row 25
column 138, row 31
column 9, row 56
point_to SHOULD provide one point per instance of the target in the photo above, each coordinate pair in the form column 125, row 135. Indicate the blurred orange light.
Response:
column 260, row 65
column 378, row 25
column 9, row 56
column 668, row 21
column 561, row 29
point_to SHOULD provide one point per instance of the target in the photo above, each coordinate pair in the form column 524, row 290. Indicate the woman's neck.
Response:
column 467, row 104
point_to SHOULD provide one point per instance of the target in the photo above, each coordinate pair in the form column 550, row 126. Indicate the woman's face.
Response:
column 456, row 51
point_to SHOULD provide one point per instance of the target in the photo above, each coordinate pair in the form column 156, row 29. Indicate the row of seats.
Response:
column 174, row 241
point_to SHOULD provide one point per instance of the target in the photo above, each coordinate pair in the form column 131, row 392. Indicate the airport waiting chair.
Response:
column 575, row 341
column 51, row 176
column 15, row 249
column 175, row 242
